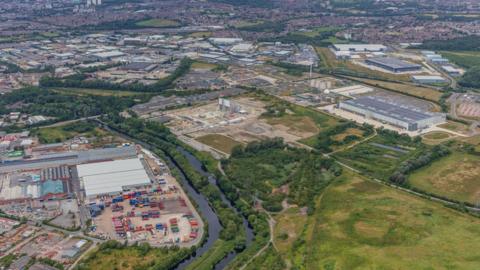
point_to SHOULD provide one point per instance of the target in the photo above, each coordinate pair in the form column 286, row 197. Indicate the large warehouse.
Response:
column 112, row 177
column 393, row 64
column 360, row 47
column 391, row 113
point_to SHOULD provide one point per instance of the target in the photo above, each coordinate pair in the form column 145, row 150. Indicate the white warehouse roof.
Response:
column 111, row 176
column 360, row 47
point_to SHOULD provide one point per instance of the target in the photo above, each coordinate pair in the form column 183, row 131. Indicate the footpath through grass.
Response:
column 359, row 224
column 381, row 155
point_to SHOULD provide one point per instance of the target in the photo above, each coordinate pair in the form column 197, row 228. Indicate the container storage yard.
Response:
column 159, row 213
column 126, row 191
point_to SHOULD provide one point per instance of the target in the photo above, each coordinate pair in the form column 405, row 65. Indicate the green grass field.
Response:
column 158, row 23
column 294, row 113
column 130, row 258
column 375, row 160
column 268, row 260
column 317, row 31
column 63, row 133
column 436, row 135
column 203, row 65
column 463, row 59
column 295, row 123
column 360, row 224
column 456, row 176
column 455, row 126
column 416, row 91
column 219, row 142
column 95, row 92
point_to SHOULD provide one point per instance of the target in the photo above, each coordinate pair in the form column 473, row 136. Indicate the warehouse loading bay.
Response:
column 159, row 213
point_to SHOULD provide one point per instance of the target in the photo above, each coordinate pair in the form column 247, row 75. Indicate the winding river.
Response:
column 207, row 212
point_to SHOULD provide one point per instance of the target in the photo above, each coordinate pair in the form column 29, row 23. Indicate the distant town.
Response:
column 221, row 134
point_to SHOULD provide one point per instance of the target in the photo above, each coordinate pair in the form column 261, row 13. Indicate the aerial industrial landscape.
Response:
column 239, row 134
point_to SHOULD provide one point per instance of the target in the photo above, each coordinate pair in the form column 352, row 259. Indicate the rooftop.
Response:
column 393, row 62
column 111, row 176
column 390, row 109
column 360, row 47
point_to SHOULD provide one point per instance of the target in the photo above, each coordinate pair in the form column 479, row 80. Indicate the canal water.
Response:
column 207, row 212
column 198, row 166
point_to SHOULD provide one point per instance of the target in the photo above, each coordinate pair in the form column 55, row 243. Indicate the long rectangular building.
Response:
column 112, row 177
column 360, row 47
column 393, row 64
column 391, row 113
column 68, row 158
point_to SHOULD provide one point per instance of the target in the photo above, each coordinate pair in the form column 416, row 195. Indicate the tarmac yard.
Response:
column 155, row 230
column 161, row 215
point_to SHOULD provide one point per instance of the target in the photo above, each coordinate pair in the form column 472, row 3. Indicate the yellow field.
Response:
column 455, row 126
column 456, row 176
column 220, row 142
column 298, row 124
column 436, row 137
column 158, row 23
column 417, row 91
column 350, row 131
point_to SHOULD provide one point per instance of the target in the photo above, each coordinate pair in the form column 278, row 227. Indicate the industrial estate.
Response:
column 239, row 135
column 120, row 192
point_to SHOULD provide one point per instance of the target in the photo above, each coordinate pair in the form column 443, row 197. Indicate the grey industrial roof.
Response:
column 359, row 47
column 69, row 158
column 111, row 176
column 139, row 66
column 393, row 62
column 389, row 109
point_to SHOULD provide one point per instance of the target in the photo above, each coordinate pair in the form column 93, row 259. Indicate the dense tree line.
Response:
column 424, row 159
column 325, row 141
column 471, row 78
column 291, row 69
column 80, row 81
column 175, row 255
column 320, row 39
column 39, row 101
column 11, row 68
column 394, row 138
column 468, row 43
column 254, row 170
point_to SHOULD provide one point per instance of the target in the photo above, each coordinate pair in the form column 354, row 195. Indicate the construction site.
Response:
column 218, row 126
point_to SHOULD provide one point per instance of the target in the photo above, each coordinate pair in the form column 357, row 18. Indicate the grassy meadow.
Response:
column 377, row 157
column 360, row 224
column 219, row 142
column 456, row 176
